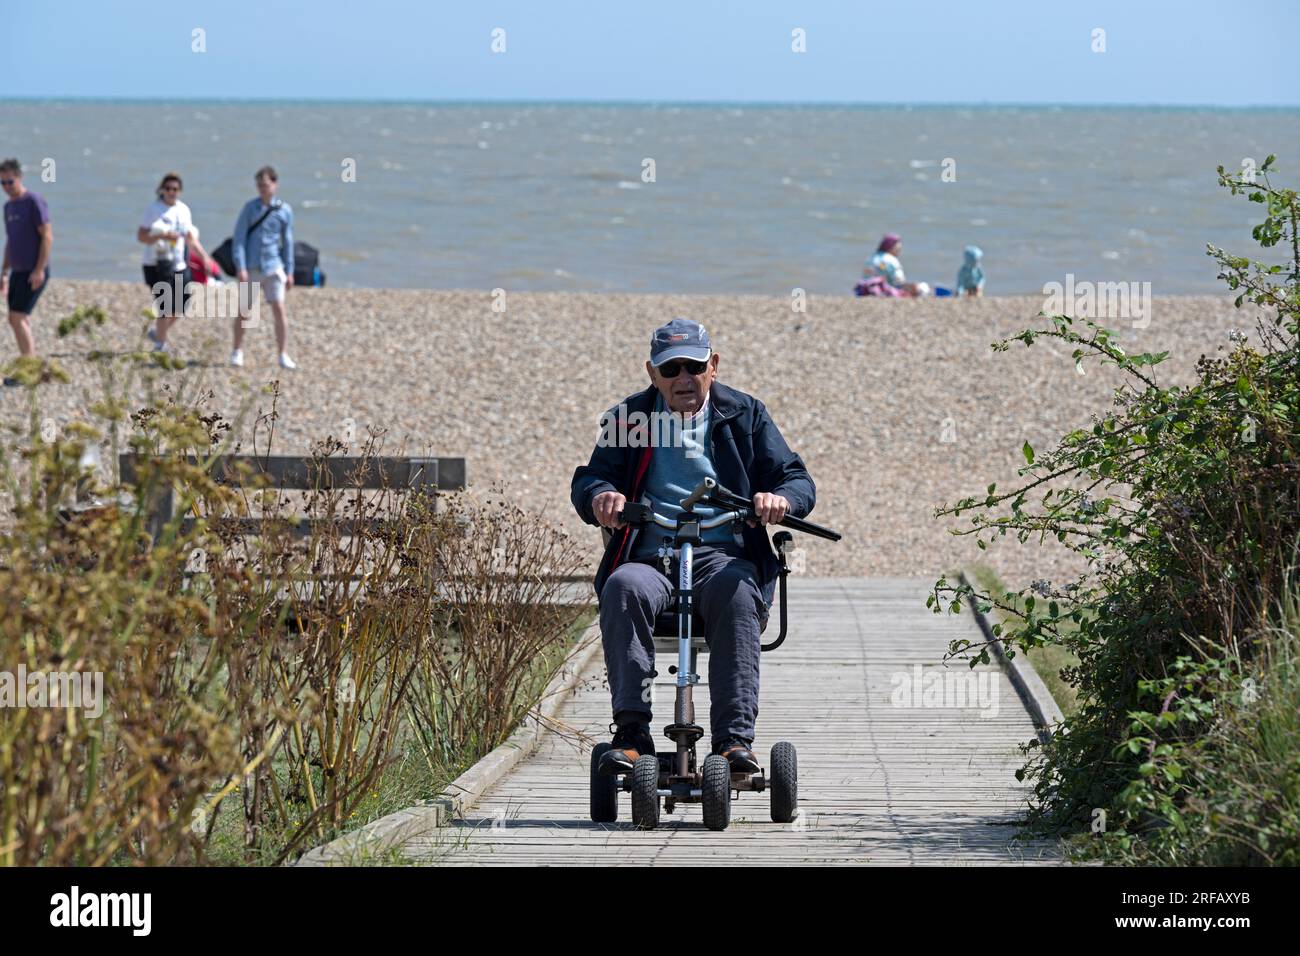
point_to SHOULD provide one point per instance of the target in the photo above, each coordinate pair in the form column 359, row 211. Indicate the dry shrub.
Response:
column 502, row 575
column 256, row 689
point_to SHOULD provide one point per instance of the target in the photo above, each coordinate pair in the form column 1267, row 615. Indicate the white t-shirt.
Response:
column 160, row 217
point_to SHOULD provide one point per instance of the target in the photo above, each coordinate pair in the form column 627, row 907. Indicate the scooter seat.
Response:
column 666, row 626
column 665, row 632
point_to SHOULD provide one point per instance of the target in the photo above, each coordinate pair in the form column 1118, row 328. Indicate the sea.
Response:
column 668, row 198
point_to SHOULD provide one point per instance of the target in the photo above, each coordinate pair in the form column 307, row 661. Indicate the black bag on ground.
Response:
column 306, row 265
column 223, row 254
column 224, row 257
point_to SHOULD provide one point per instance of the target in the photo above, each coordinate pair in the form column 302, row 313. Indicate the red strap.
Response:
column 636, row 493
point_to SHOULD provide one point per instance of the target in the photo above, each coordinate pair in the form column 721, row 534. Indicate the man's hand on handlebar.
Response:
column 607, row 506
column 768, row 508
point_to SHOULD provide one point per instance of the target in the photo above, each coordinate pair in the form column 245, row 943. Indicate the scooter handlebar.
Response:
column 729, row 499
column 701, row 493
column 807, row 527
column 637, row 513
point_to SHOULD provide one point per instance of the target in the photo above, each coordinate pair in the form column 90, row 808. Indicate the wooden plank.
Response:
column 300, row 528
column 298, row 473
column 295, row 472
column 880, row 781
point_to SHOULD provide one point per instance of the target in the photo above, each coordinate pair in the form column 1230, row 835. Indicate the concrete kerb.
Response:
column 1035, row 696
column 395, row 829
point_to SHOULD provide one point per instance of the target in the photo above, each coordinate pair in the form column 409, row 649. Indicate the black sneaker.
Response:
column 738, row 754
column 630, row 742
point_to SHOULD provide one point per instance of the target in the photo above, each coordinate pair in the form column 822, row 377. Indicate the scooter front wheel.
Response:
column 716, row 792
column 645, row 792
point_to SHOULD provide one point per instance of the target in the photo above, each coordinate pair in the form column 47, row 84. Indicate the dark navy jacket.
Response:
column 749, row 456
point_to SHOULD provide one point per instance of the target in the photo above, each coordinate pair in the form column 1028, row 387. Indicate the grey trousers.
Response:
column 727, row 594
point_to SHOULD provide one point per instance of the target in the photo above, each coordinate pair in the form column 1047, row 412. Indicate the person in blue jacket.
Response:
column 697, row 427
column 970, row 277
column 262, row 250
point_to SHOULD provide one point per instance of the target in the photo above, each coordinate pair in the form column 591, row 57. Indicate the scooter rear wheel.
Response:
column 645, row 792
column 716, row 792
column 604, row 789
column 785, row 782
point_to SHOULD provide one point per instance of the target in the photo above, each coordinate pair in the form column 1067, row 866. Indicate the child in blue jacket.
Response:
column 970, row 278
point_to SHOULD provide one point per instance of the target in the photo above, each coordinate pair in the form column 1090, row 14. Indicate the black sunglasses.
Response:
column 7, row 182
column 670, row 369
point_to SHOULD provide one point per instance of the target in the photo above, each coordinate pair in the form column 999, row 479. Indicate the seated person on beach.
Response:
column 883, row 273
column 715, row 431
column 970, row 278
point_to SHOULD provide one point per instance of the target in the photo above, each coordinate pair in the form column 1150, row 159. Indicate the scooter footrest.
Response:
column 668, row 768
column 693, row 732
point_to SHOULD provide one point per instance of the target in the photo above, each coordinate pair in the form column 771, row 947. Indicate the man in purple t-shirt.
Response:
column 28, row 237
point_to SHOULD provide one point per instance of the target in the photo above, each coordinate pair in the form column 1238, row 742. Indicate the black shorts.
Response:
column 22, row 297
column 164, row 299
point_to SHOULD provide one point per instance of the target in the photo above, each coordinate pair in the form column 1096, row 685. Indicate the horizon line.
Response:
column 758, row 104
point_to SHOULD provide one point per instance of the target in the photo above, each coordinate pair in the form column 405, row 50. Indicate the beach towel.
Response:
column 877, row 286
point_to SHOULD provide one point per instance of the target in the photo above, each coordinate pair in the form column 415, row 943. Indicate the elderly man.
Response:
column 714, row 431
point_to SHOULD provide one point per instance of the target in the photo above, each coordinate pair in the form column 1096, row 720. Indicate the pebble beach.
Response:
column 897, row 406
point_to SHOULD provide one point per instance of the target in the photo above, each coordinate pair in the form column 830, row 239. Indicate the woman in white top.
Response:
column 164, row 231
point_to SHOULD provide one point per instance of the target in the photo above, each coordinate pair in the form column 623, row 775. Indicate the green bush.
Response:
column 1229, row 795
column 1184, row 502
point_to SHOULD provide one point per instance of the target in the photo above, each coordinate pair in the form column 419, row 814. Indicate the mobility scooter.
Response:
column 677, row 777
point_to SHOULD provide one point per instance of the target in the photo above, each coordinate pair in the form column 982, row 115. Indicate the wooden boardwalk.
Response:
column 879, row 781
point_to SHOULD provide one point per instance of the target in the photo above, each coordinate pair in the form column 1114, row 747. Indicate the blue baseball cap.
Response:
column 680, row 338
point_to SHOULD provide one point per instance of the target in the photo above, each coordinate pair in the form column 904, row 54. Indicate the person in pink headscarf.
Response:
column 883, row 273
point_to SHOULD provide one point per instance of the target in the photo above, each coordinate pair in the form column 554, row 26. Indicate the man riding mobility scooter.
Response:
column 676, row 777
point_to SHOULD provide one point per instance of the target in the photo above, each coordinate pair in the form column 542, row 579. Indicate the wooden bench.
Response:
column 296, row 473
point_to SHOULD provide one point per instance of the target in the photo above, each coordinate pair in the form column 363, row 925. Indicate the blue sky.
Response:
column 1177, row 52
